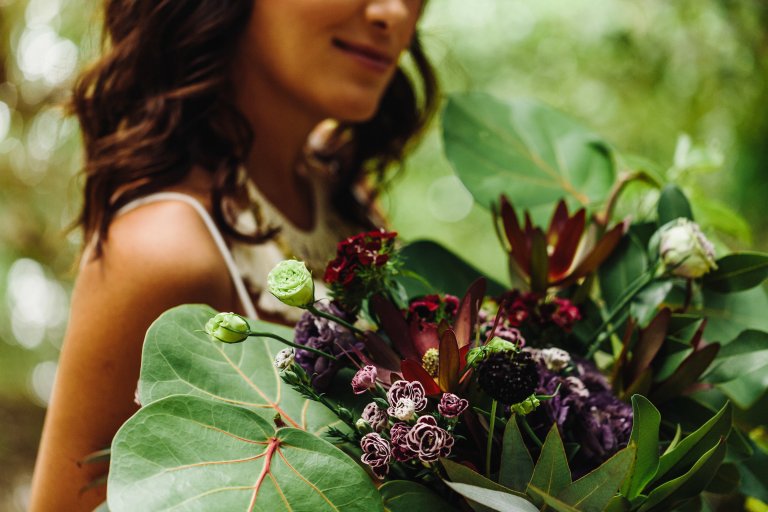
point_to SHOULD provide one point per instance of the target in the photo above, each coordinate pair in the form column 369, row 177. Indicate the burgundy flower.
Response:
column 403, row 389
column 364, row 379
column 400, row 449
column 565, row 314
column 451, row 405
column 428, row 441
column 376, row 453
column 375, row 416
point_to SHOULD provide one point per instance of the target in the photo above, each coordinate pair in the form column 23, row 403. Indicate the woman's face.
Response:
column 331, row 58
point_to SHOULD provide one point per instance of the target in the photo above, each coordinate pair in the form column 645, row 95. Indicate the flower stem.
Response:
column 291, row 344
column 489, row 446
column 530, row 432
column 333, row 318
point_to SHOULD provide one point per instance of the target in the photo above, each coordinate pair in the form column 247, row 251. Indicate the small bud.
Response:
column 363, row 426
column 555, row 359
column 381, row 403
column 290, row 377
column 344, row 414
column 284, row 359
column 684, row 249
column 228, row 328
column 291, row 282
column 364, row 379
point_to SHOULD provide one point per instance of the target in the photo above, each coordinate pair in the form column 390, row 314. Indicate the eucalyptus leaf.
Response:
column 676, row 461
column 180, row 359
column 516, row 462
column 459, row 473
column 530, row 152
column 191, row 453
column 407, row 496
column 593, row 491
column 493, row 500
column 645, row 434
column 551, row 473
column 551, row 501
column 673, row 492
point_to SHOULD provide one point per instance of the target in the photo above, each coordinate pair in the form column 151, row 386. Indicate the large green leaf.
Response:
column 530, row 152
column 746, row 356
column 191, row 453
column 551, row 474
column 645, row 434
column 516, row 462
column 593, row 491
column 407, row 496
column 443, row 271
column 730, row 313
column 493, row 500
column 737, row 272
column 180, row 359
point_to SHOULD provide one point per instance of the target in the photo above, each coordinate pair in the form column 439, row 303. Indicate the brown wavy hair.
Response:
column 157, row 103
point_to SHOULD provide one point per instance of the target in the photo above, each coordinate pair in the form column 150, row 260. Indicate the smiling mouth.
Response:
column 366, row 55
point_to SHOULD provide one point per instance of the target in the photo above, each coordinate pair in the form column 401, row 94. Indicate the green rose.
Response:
column 228, row 327
column 291, row 282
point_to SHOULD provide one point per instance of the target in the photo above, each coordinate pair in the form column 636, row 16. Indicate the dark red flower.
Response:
column 451, row 405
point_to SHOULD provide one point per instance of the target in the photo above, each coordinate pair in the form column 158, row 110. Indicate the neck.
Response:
column 280, row 128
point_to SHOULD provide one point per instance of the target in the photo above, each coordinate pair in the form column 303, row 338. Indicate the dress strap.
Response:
column 234, row 272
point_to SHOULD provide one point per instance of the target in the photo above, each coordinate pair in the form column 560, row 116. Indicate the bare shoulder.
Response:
column 164, row 245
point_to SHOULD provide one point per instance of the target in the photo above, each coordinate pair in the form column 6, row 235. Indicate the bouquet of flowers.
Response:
column 615, row 370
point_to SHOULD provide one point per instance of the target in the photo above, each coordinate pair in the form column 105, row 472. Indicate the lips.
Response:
column 367, row 55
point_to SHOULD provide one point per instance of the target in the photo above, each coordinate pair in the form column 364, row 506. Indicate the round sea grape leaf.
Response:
column 526, row 150
column 190, row 453
column 180, row 359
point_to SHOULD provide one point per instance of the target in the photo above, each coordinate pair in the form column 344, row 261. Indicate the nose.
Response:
column 387, row 14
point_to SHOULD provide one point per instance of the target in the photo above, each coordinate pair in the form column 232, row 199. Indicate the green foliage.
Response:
column 407, row 496
column 525, row 150
column 516, row 462
column 180, row 359
column 201, row 454
column 741, row 366
column 672, row 205
column 737, row 272
column 645, row 435
column 551, row 474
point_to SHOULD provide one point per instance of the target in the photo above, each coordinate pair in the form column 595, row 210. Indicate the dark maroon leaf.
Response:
column 686, row 374
column 412, row 370
column 567, row 243
column 466, row 316
column 394, row 324
column 448, row 369
column 648, row 344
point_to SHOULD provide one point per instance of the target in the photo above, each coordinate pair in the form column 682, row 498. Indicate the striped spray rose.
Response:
column 376, row 453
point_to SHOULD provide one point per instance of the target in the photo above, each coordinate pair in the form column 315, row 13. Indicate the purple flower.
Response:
column 451, row 405
column 400, row 449
column 376, row 453
column 324, row 335
column 606, row 425
column 375, row 416
column 364, row 379
column 428, row 441
column 403, row 389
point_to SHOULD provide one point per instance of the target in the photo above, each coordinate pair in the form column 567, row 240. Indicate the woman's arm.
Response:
column 156, row 257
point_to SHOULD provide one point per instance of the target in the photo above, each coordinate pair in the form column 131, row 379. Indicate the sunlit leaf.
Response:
column 191, row 453
column 180, row 359
column 530, row 152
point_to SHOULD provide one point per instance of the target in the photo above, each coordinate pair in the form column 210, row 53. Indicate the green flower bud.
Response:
column 363, row 426
column 228, row 328
column 527, row 406
column 291, row 282
column 344, row 415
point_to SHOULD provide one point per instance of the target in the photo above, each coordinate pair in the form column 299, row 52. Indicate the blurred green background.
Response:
column 681, row 83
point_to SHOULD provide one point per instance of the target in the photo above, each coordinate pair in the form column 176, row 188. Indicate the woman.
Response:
column 195, row 125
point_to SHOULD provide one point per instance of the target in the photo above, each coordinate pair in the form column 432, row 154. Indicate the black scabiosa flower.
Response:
column 504, row 372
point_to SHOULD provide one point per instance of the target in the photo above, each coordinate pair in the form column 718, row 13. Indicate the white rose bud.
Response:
column 684, row 249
